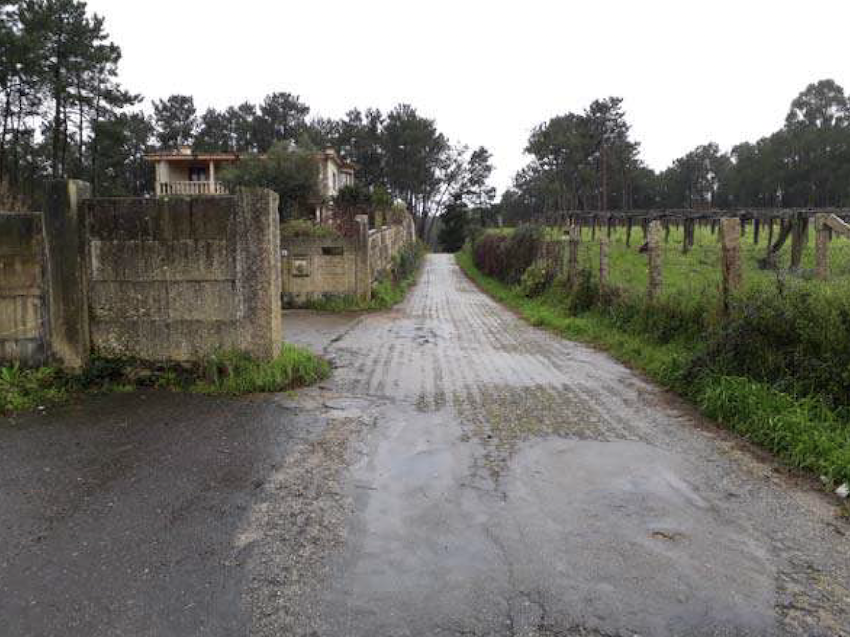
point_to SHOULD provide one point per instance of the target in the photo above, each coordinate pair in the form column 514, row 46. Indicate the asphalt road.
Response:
column 461, row 474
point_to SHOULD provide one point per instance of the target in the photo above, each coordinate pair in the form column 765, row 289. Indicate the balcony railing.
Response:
column 191, row 188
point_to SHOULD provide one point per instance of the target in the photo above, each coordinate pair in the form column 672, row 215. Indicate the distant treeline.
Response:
column 589, row 161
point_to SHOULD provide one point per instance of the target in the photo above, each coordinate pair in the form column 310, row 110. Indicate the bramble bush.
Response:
column 507, row 257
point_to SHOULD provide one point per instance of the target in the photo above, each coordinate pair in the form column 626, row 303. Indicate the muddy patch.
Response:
column 300, row 518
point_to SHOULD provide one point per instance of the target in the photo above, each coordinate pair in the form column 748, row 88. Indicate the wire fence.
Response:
column 699, row 258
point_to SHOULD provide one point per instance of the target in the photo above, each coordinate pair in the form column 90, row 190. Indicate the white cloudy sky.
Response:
column 690, row 71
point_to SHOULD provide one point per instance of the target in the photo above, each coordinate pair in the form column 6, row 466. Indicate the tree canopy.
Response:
column 291, row 172
column 589, row 161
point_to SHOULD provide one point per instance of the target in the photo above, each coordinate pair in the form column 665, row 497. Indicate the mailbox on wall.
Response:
column 300, row 266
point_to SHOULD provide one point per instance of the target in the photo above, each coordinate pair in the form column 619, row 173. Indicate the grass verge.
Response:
column 25, row 389
column 227, row 373
column 802, row 431
column 233, row 373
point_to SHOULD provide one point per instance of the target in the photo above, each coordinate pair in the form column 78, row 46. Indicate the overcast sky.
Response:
column 689, row 71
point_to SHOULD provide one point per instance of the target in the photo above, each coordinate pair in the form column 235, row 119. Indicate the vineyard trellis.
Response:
column 707, row 252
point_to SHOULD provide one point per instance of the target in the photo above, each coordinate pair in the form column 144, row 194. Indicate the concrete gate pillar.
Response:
column 258, row 275
column 67, row 282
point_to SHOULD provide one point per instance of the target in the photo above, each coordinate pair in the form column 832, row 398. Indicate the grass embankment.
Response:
column 388, row 292
column 228, row 373
column 810, row 432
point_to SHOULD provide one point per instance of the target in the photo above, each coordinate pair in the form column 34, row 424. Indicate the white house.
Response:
column 184, row 172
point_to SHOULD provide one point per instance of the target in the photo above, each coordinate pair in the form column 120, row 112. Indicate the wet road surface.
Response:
column 462, row 474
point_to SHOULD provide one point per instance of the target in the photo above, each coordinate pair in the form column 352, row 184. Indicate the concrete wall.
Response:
column 314, row 268
column 384, row 244
column 159, row 280
column 23, row 311
column 178, row 279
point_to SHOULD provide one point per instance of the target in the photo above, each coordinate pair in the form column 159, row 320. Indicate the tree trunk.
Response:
column 7, row 114
column 57, row 118
column 604, row 197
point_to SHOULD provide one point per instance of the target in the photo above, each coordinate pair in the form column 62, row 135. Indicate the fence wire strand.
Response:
column 690, row 254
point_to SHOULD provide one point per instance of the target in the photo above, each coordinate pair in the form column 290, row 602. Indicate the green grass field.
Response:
column 696, row 274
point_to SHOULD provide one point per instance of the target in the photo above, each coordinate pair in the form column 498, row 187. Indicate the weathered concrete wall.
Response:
column 179, row 279
column 66, row 282
column 384, row 244
column 314, row 267
column 23, row 311
column 155, row 279
column 258, row 273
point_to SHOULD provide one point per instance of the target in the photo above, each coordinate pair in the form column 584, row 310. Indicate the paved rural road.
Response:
column 462, row 474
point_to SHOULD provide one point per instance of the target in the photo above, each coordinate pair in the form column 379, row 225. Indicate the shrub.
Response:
column 798, row 339
column 535, row 280
column 22, row 389
column 396, row 214
column 585, row 294
column 521, row 251
column 489, row 254
column 292, row 173
column 295, row 228
column 406, row 262
column 507, row 257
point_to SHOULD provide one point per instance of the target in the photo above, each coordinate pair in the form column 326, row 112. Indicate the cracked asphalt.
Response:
column 462, row 473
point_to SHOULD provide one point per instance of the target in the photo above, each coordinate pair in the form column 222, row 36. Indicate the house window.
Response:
column 197, row 173
column 335, row 182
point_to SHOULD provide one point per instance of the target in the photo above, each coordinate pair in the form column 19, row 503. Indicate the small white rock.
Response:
column 843, row 491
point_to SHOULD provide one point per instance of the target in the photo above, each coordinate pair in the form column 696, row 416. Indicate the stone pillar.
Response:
column 654, row 243
column 258, row 274
column 730, row 246
column 64, row 243
column 798, row 239
column 603, row 262
column 212, row 177
column 363, row 268
column 572, row 254
column 821, row 247
column 411, row 229
column 687, row 224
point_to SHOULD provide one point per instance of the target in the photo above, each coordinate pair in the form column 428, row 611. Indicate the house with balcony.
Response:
column 183, row 172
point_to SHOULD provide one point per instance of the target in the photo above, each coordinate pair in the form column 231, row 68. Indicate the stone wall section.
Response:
column 314, row 268
column 23, row 302
column 162, row 277
column 179, row 279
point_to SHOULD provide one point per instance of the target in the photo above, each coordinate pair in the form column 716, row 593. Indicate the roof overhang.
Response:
column 193, row 157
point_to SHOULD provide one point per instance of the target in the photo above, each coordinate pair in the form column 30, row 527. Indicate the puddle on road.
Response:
column 583, row 528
